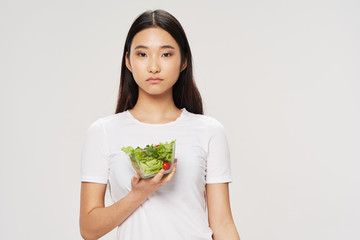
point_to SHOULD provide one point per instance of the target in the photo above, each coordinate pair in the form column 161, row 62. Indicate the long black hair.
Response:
column 185, row 93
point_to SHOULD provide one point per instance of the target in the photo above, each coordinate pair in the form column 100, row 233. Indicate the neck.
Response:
column 155, row 108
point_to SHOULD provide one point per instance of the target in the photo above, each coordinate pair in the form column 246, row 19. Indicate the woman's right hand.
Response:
column 96, row 220
column 143, row 188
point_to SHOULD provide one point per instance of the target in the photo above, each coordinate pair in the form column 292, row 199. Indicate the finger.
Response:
column 174, row 165
column 158, row 176
column 171, row 174
column 135, row 179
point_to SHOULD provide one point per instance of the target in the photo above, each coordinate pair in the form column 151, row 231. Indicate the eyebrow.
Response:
column 162, row 47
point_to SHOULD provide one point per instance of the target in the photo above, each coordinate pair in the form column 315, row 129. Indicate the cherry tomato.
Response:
column 166, row 165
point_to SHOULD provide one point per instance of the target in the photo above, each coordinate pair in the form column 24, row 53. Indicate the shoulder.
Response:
column 211, row 123
column 109, row 120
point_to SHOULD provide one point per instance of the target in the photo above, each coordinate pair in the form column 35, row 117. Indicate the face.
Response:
column 155, row 61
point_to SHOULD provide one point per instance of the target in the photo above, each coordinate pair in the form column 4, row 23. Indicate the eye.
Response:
column 141, row 54
column 167, row 54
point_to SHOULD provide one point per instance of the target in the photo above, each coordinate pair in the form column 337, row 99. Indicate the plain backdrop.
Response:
column 282, row 77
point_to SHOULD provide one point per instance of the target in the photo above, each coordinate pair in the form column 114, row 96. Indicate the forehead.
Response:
column 153, row 38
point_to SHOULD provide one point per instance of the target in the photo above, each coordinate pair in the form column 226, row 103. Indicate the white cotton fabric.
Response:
column 177, row 210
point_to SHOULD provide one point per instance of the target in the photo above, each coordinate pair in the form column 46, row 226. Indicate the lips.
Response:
column 154, row 80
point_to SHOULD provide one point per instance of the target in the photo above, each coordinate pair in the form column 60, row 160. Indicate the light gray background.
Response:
column 282, row 77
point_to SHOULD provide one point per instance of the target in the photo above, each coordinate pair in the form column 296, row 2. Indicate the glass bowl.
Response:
column 145, row 166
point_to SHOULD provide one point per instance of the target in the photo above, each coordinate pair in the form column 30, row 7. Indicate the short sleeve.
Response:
column 94, row 165
column 218, row 160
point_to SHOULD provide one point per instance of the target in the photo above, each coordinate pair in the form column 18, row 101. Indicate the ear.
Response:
column 184, row 65
column 127, row 62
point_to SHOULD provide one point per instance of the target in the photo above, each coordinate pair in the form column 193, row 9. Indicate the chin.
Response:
column 158, row 92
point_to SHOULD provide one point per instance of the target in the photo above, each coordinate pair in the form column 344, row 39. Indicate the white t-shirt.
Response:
column 177, row 210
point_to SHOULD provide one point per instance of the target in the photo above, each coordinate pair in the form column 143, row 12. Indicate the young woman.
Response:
column 158, row 102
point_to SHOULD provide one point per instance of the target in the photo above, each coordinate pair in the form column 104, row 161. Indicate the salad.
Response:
column 150, row 160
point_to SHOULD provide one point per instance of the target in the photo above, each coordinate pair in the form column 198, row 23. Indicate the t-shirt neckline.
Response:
column 183, row 112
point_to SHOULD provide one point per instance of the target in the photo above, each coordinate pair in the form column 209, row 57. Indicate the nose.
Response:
column 153, row 66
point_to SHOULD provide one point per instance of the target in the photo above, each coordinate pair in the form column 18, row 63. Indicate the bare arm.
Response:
column 96, row 220
column 220, row 217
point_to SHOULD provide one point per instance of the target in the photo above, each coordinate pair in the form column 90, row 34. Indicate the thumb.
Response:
column 135, row 179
